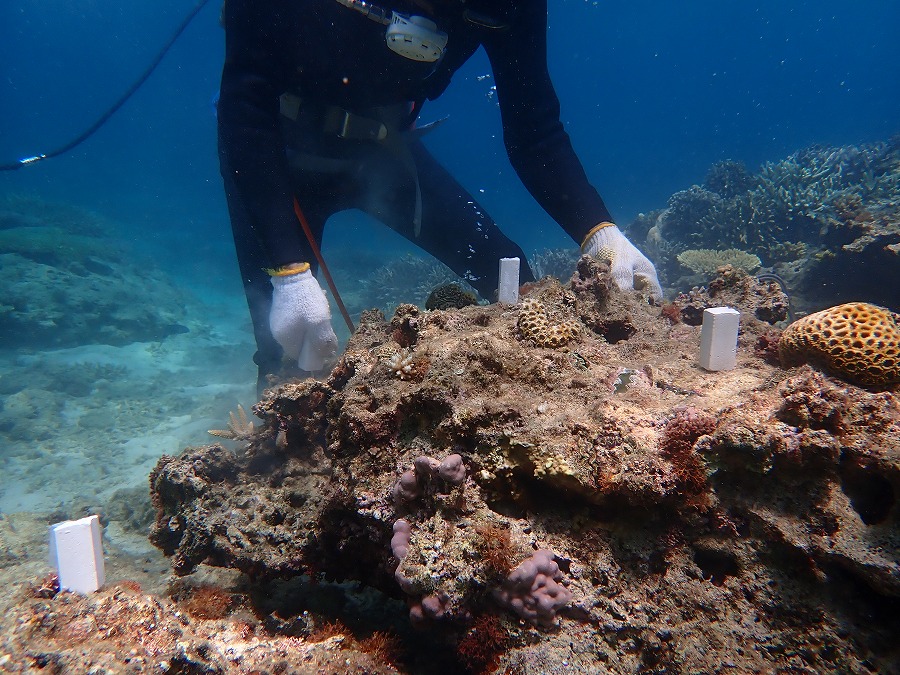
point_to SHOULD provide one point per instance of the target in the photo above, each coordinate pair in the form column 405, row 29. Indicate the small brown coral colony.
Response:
column 450, row 296
column 856, row 341
column 534, row 325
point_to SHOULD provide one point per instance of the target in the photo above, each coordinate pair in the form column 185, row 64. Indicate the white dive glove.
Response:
column 630, row 267
column 300, row 319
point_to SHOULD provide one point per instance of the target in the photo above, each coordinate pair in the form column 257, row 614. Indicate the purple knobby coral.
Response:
column 532, row 590
column 428, row 608
column 452, row 469
column 400, row 540
column 426, row 466
column 407, row 487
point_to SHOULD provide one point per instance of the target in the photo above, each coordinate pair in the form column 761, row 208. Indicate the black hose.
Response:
column 115, row 106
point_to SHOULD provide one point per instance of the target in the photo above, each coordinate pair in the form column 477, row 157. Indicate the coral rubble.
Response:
column 120, row 629
column 599, row 504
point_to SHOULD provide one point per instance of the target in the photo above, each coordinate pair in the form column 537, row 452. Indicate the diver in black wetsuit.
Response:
column 318, row 103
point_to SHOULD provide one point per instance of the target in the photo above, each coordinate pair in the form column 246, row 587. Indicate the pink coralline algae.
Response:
column 532, row 590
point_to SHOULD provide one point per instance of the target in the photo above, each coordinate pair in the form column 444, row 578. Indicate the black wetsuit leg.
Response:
column 455, row 228
column 252, row 263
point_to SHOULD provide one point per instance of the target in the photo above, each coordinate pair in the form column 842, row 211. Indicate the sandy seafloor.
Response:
column 160, row 398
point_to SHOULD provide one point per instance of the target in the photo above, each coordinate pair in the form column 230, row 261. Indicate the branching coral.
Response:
column 240, row 427
column 816, row 194
column 729, row 179
column 401, row 364
column 556, row 262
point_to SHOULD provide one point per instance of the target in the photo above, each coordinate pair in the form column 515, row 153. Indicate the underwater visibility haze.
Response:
column 552, row 486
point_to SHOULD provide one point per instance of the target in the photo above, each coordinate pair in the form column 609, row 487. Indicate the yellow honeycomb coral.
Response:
column 856, row 341
column 534, row 325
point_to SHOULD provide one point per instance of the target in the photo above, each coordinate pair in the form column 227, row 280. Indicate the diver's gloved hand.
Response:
column 300, row 318
column 630, row 267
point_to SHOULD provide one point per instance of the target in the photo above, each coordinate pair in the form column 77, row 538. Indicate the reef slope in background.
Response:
column 106, row 362
column 740, row 521
column 823, row 219
column 67, row 282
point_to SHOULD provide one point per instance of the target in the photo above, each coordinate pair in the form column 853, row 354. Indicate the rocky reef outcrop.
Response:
column 593, row 504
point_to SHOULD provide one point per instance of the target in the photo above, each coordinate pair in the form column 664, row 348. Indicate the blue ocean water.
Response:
column 652, row 94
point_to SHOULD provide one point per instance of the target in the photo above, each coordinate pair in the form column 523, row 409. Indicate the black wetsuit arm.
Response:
column 538, row 147
column 251, row 149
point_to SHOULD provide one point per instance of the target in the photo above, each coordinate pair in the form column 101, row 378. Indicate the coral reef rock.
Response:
column 734, row 287
column 856, row 341
column 572, row 519
column 120, row 629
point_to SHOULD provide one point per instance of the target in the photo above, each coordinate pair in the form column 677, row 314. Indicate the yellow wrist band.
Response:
column 288, row 270
column 594, row 230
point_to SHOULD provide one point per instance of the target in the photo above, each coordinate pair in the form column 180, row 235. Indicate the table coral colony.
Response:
column 671, row 521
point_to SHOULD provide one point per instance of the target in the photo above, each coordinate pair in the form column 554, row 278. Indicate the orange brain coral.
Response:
column 856, row 341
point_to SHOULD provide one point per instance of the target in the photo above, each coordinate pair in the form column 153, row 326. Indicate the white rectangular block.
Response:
column 718, row 338
column 508, row 289
column 76, row 552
